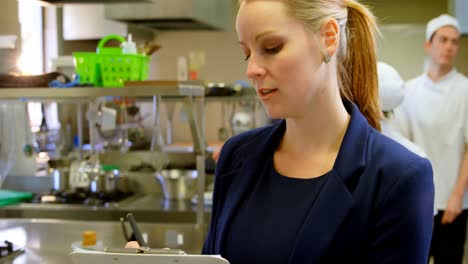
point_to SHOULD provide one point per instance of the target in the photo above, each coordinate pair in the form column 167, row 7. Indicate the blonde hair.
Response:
column 357, row 55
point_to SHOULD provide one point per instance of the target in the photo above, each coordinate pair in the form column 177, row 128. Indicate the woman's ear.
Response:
column 330, row 34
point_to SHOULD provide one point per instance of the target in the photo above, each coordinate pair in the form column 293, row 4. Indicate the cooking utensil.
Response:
column 108, row 180
column 223, row 132
column 78, row 179
column 30, row 146
column 177, row 184
column 170, row 106
column 59, row 170
column 159, row 159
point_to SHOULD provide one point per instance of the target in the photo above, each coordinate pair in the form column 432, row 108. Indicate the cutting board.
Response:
column 8, row 197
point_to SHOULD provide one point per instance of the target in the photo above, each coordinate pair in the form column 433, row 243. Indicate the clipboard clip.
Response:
column 146, row 250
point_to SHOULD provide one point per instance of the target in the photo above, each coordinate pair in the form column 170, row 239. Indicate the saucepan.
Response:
column 59, row 170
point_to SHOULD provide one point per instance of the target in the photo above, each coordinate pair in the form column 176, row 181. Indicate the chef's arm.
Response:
column 455, row 203
column 462, row 182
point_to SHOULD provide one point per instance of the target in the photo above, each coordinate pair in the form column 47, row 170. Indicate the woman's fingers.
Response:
column 132, row 244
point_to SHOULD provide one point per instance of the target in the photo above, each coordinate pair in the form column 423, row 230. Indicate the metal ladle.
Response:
column 159, row 158
column 170, row 106
column 29, row 144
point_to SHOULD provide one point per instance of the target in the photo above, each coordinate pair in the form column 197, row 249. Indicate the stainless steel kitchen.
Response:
column 113, row 114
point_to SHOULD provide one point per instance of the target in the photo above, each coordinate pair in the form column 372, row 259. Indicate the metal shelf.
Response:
column 178, row 89
column 147, row 89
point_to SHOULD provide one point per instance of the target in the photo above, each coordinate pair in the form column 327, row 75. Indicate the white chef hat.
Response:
column 391, row 87
column 441, row 21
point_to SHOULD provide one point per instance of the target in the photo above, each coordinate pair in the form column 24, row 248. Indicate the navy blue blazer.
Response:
column 376, row 207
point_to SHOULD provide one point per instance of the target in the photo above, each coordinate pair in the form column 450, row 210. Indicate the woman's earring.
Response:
column 326, row 57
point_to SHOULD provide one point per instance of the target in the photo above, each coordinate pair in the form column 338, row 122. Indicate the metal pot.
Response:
column 59, row 171
column 177, row 184
column 108, row 181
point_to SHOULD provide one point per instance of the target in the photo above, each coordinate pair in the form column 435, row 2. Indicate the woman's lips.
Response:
column 266, row 93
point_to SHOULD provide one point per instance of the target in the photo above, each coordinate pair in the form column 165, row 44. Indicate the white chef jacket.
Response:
column 434, row 115
column 389, row 131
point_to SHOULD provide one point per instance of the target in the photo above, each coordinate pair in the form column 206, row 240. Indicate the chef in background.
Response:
column 391, row 94
column 434, row 115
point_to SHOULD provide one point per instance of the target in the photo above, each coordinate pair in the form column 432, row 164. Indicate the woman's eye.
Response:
column 247, row 57
column 273, row 50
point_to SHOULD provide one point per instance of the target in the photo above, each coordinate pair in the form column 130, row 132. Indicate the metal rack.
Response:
column 192, row 93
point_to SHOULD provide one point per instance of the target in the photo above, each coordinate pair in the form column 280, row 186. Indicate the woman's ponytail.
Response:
column 357, row 68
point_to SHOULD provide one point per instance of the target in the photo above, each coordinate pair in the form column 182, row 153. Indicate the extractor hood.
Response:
column 174, row 14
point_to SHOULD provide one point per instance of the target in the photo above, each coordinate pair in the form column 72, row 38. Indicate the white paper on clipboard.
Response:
column 124, row 258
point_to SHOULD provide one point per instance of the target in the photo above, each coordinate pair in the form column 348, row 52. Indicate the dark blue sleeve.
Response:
column 404, row 218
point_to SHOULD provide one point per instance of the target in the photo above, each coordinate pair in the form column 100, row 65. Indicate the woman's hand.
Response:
column 216, row 152
column 132, row 244
column 215, row 155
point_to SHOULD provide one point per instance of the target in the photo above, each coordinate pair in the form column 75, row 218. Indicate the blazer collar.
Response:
column 351, row 158
column 335, row 199
column 331, row 206
column 352, row 155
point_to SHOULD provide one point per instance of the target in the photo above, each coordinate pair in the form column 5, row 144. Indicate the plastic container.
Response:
column 109, row 66
column 129, row 47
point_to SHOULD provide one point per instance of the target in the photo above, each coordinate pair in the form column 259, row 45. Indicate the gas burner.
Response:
column 8, row 250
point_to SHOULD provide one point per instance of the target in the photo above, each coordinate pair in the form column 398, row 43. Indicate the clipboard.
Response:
column 86, row 257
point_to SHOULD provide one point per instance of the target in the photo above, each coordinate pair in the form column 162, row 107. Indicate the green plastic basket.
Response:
column 109, row 67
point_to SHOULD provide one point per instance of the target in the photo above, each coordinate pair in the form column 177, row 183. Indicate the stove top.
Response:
column 80, row 197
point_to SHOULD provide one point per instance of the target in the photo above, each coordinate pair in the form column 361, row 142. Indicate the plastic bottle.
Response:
column 182, row 68
column 129, row 47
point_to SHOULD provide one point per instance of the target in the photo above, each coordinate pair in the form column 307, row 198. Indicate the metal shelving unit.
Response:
column 192, row 93
column 182, row 89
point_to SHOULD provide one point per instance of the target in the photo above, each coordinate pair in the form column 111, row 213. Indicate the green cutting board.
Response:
column 8, row 197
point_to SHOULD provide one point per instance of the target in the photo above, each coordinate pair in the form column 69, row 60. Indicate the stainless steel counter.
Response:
column 149, row 208
column 49, row 241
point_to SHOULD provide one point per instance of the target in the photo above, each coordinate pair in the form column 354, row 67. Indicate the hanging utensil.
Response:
column 29, row 146
column 223, row 132
column 158, row 157
column 42, row 135
column 170, row 106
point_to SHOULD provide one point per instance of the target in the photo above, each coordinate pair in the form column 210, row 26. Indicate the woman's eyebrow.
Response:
column 266, row 32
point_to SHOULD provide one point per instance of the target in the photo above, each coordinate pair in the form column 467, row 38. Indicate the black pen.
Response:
column 136, row 230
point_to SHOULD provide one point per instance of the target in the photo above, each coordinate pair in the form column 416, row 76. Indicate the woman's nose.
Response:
column 254, row 69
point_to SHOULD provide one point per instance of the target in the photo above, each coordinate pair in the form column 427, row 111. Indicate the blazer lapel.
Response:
column 240, row 181
column 327, row 213
column 335, row 200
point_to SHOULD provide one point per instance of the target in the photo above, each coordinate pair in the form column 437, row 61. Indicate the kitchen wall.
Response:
column 9, row 19
column 9, row 25
column 401, row 45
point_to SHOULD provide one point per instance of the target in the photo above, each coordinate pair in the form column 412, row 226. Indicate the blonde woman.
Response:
column 323, row 185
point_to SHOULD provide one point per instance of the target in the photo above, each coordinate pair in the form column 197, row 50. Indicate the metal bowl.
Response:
column 177, row 184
